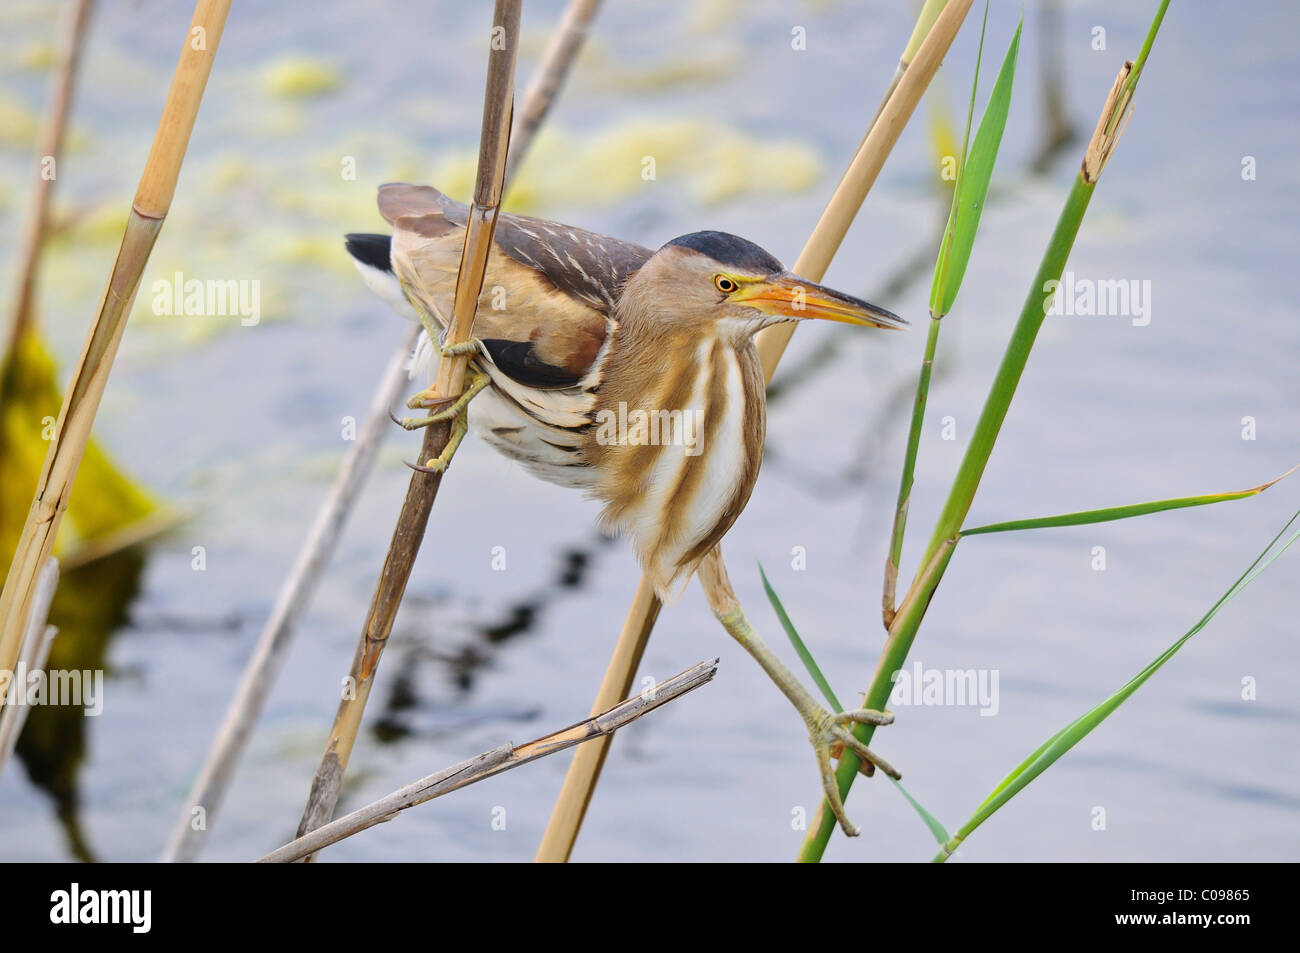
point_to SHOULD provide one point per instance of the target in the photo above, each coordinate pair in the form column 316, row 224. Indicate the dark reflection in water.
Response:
column 89, row 607
column 464, row 661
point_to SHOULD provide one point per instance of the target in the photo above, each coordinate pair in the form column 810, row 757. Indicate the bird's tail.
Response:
column 372, row 256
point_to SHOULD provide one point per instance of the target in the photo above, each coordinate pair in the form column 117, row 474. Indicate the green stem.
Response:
column 1065, row 739
column 1009, row 372
column 939, row 552
column 947, row 530
column 903, row 632
column 909, row 470
column 1141, row 61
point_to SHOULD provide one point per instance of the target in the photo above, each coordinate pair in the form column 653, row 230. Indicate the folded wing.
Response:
column 550, row 290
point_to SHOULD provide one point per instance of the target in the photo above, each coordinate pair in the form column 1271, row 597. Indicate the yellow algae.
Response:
column 229, row 172
column 17, row 123
column 711, row 162
column 295, row 76
column 104, row 224
column 315, row 249
column 37, row 57
column 600, row 70
column 349, row 205
column 682, row 71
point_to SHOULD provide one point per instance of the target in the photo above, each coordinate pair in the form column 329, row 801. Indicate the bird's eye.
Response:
column 724, row 284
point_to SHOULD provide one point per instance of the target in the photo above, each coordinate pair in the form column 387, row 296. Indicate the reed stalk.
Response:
column 494, row 762
column 423, row 488
column 938, row 553
column 33, row 655
column 263, row 668
column 76, row 417
column 894, row 113
column 50, row 145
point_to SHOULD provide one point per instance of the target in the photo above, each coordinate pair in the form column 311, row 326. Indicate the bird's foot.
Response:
column 826, row 730
column 429, row 398
column 439, row 464
column 829, row 731
column 471, row 348
column 456, row 410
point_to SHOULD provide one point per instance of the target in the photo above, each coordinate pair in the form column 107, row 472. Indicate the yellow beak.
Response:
column 791, row 296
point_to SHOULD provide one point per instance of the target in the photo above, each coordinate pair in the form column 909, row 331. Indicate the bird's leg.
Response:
column 434, row 328
column 825, row 729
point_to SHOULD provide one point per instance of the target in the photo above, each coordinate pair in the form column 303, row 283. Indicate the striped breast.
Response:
column 679, row 459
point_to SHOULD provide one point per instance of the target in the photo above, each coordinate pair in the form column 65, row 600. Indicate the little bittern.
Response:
column 627, row 372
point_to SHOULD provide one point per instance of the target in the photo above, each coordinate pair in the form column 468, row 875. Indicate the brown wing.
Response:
column 548, row 291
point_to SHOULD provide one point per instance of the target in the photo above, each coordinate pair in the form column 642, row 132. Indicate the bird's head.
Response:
column 715, row 277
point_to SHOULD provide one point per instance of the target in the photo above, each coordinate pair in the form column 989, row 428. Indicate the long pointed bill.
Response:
column 792, row 297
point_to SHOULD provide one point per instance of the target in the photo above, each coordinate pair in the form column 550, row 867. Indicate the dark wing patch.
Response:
column 518, row 360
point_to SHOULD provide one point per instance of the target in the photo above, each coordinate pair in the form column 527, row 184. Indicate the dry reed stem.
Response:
column 584, row 772
column 50, row 146
column 34, row 653
column 263, row 667
column 423, row 488
column 494, row 762
column 80, row 404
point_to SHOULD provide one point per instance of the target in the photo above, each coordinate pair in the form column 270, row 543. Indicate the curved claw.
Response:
column 421, row 469
column 420, row 401
column 831, row 788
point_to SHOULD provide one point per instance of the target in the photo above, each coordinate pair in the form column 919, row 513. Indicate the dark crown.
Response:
column 730, row 250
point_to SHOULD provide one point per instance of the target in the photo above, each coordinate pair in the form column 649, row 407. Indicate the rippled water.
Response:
column 244, row 425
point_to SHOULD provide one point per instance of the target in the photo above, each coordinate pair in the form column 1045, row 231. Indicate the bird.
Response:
column 625, row 372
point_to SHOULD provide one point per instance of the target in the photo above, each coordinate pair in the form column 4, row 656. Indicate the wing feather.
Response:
column 549, row 292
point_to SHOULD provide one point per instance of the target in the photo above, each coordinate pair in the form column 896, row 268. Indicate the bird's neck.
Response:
column 674, row 367
column 677, row 439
